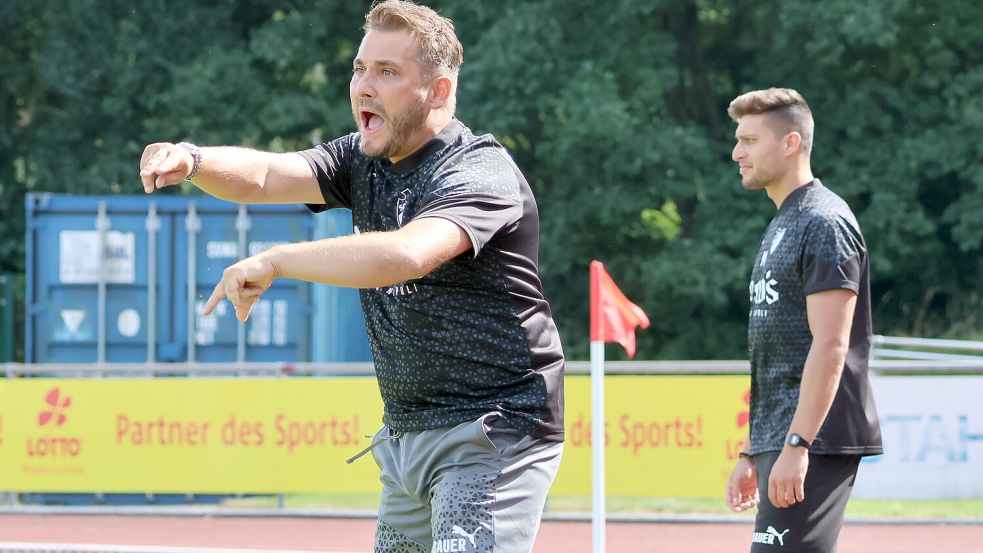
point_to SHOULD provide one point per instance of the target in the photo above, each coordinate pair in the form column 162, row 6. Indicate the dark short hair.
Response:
column 786, row 106
column 441, row 52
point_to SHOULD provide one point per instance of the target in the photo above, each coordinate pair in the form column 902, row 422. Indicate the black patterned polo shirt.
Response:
column 476, row 335
column 813, row 244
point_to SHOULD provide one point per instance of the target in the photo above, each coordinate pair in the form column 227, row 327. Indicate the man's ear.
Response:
column 440, row 91
column 793, row 143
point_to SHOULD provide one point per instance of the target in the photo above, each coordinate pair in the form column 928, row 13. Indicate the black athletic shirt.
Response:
column 476, row 334
column 813, row 244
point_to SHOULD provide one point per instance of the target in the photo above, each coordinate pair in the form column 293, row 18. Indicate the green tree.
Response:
column 616, row 112
column 22, row 25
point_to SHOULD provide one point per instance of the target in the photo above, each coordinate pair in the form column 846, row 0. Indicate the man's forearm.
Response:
column 233, row 174
column 367, row 260
column 249, row 176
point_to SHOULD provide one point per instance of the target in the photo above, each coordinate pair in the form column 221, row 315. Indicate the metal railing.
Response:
column 899, row 347
column 13, row 370
column 889, row 355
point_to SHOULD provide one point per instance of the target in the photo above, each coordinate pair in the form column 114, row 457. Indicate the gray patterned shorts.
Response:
column 477, row 487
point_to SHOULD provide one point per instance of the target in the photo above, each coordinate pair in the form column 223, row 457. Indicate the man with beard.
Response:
column 445, row 255
column 809, row 331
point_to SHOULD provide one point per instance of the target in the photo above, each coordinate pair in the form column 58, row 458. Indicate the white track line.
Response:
column 37, row 547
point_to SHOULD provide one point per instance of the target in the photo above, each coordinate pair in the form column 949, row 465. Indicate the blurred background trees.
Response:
column 616, row 112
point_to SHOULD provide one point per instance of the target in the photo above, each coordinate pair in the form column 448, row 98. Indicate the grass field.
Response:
column 857, row 508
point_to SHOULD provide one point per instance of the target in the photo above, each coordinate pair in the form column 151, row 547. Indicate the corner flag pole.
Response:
column 597, row 444
column 613, row 318
column 599, row 516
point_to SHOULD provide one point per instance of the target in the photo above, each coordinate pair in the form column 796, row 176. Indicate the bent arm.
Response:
column 830, row 316
column 235, row 174
column 374, row 259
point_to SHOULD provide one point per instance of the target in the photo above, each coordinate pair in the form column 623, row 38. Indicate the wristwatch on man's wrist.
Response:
column 795, row 440
column 196, row 154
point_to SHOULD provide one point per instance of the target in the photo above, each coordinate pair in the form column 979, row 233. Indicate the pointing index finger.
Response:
column 213, row 300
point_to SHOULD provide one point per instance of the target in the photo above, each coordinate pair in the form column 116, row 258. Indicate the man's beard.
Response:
column 757, row 181
column 400, row 126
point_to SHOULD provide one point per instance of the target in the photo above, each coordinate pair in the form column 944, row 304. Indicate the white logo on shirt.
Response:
column 779, row 234
column 764, row 290
column 401, row 206
column 404, row 289
column 776, row 240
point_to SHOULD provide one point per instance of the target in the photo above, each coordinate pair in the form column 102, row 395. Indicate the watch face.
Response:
column 793, row 439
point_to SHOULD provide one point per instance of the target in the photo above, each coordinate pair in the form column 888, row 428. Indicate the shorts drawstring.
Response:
column 374, row 442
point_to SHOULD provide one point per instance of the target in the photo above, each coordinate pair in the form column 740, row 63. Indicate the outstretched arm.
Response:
column 830, row 318
column 236, row 174
column 367, row 260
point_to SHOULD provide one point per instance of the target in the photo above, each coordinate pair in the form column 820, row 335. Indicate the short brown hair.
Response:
column 785, row 105
column 441, row 52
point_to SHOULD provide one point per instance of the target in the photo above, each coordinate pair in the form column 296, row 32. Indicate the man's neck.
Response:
column 790, row 182
column 430, row 129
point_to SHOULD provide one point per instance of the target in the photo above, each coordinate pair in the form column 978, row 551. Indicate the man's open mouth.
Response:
column 371, row 121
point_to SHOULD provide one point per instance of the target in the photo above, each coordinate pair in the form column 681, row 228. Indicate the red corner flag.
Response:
column 612, row 317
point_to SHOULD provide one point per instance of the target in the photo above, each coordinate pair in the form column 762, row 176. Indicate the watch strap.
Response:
column 796, row 440
column 196, row 154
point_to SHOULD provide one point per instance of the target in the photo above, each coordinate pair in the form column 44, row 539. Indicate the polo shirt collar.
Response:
column 413, row 161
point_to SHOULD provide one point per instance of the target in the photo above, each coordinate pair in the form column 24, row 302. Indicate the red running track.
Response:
column 355, row 535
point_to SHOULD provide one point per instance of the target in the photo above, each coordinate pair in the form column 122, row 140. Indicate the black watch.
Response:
column 795, row 440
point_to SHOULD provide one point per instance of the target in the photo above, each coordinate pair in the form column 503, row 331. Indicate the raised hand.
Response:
column 164, row 164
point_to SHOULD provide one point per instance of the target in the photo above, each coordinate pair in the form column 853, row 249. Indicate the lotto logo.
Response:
column 53, row 414
column 55, row 408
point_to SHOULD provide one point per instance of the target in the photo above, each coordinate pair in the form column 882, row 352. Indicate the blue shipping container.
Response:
column 339, row 326
column 139, row 296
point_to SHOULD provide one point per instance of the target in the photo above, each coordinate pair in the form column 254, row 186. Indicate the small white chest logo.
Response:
column 777, row 240
column 779, row 234
column 401, row 206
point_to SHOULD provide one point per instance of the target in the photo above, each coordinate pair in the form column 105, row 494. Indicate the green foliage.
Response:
column 616, row 111
column 664, row 222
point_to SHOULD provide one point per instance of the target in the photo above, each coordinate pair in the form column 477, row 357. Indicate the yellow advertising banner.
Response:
column 674, row 436
column 667, row 435
column 177, row 435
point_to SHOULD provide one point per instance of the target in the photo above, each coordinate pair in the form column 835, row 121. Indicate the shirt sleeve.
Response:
column 481, row 194
column 833, row 252
column 331, row 163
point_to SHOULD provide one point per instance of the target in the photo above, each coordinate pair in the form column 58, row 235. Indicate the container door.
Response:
column 210, row 236
column 90, row 282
